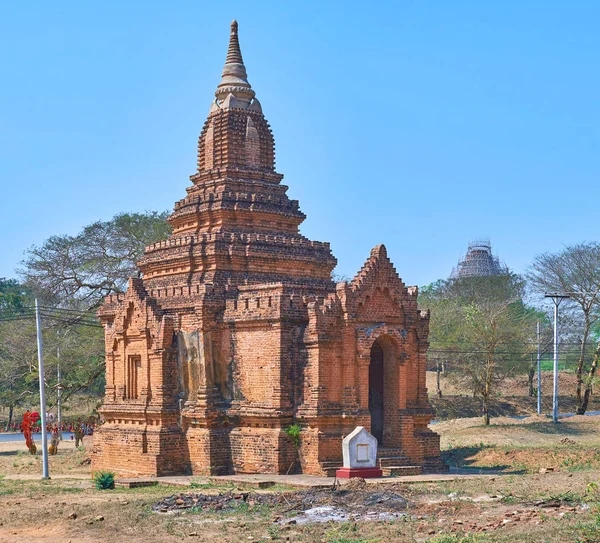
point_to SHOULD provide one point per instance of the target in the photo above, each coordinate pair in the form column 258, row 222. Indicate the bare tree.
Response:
column 576, row 271
column 83, row 269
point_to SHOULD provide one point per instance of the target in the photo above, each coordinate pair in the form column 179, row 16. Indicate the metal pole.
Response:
column 58, row 405
column 539, row 373
column 555, row 393
column 38, row 323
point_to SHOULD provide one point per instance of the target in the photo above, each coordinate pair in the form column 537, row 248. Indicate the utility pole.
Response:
column 58, row 386
column 539, row 372
column 38, row 323
column 556, row 299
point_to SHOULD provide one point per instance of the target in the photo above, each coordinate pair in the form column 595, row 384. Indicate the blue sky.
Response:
column 416, row 124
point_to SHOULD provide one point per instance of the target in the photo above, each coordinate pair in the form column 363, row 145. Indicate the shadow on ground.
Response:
column 461, row 458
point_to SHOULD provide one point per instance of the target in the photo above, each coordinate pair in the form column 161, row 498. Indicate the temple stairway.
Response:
column 392, row 463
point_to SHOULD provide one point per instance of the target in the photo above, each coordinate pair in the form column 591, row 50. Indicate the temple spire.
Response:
column 234, row 54
column 234, row 79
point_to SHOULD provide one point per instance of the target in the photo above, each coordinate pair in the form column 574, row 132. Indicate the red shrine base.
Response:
column 365, row 473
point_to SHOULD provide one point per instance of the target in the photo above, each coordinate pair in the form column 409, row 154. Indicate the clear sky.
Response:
column 416, row 124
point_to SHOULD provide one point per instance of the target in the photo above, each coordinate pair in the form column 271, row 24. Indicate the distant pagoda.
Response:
column 479, row 261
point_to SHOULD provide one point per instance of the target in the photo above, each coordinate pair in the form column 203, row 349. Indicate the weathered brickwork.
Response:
column 236, row 329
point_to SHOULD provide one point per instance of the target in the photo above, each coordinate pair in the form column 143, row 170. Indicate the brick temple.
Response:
column 235, row 330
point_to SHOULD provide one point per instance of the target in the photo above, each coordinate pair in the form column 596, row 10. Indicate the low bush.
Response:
column 104, row 480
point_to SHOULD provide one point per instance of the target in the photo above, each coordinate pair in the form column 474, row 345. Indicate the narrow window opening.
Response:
column 134, row 362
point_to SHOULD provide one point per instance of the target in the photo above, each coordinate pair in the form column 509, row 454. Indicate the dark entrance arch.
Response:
column 376, row 391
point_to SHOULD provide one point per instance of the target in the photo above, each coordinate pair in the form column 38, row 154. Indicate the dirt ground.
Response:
column 543, row 485
column 511, row 397
column 15, row 458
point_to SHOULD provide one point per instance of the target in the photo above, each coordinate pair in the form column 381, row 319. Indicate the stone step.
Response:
column 395, row 471
column 435, row 465
column 386, row 461
column 385, row 452
column 134, row 482
column 330, row 467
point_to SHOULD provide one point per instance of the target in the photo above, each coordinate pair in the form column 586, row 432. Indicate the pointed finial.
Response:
column 379, row 251
column 234, row 79
column 234, row 54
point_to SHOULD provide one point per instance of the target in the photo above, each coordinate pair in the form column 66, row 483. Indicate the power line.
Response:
column 65, row 310
column 83, row 320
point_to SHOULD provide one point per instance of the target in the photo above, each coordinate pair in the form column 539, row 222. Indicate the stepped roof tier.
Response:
column 236, row 219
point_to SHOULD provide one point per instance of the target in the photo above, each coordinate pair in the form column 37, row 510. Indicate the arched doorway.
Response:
column 376, row 391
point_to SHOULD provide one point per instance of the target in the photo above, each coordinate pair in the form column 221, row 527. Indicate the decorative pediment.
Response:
column 378, row 270
column 137, row 315
column 378, row 291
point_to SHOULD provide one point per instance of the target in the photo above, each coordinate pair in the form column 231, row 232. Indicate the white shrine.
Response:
column 359, row 452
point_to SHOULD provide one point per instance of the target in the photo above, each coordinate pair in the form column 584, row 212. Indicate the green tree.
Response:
column 77, row 347
column 79, row 351
column 74, row 272
column 18, row 365
column 13, row 296
column 482, row 328
column 17, row 360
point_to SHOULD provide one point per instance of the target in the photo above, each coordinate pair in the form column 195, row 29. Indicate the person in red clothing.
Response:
column 29, row 420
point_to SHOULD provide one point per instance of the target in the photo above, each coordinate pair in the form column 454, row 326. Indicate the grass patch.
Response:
column 345, row 533
column 519, row 460
column 243, row 510
column 5, row 490
column 198, row 484
column 159, row 491
column 457, row 538
column 567, row 497
column 588, row 532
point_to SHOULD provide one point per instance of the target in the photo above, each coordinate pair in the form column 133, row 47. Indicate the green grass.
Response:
column 158, row 491
column 345, row 532
column 588, row 532
column 5, row 490
column 457, row 538
column 279, row 487
column 567, row 497
column 548, row 365
column 197, row 484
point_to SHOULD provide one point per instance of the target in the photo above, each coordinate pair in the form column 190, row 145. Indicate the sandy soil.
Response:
column 15, row 458
column 526, row 509
column 556, row 506
column 532, row 431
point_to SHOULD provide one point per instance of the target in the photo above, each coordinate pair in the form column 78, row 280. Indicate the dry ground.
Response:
column 517, row 503
column 511, row 397
column 15, row 458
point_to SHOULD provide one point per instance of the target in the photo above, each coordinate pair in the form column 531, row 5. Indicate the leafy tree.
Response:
column 79, row 351
column 575, row 271
column 81, row 361
column 85, row 268
column 18, row 365
column 17, row 359
column 13, row 295
column 74, row 272
column 482, row 328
